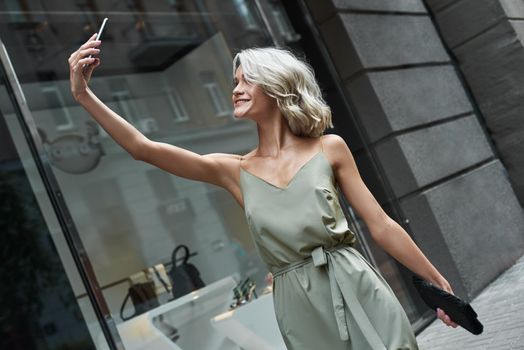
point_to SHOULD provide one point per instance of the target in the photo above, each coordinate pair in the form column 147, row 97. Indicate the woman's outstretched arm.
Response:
column 117, row 127
column 385, row 231
column 212, row 168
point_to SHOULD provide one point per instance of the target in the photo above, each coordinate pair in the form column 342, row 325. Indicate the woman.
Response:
column 326, row 295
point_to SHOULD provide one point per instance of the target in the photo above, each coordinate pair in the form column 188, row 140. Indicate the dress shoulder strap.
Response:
column 321, row 145
column 240, row 159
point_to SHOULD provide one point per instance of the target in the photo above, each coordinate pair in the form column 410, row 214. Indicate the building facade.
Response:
column 435, row 132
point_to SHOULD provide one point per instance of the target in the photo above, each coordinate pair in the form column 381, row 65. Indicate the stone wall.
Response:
column 421, row 124
column 487, row 39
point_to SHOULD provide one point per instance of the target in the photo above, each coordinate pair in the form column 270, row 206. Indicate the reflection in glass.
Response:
column 166, row 67
column 55, row 102
column 175, row 101
column 247, row 14
column 221, row 106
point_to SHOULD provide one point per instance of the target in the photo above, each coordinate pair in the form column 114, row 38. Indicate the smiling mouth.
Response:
column 240, row 101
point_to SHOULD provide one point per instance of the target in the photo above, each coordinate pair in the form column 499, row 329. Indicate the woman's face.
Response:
column 250, row 100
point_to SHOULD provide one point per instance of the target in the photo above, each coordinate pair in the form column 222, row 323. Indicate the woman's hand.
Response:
column 442, row 283
column 81, row 66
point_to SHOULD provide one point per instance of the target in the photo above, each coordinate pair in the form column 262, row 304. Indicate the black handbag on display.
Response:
column 458, row 310
column 143, row 297
column 185, row 277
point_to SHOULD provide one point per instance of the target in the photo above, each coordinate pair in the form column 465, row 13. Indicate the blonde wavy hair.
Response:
column 292, row 83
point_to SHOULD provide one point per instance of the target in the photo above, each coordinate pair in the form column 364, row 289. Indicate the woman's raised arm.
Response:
column 81, row 68
column 210, row 168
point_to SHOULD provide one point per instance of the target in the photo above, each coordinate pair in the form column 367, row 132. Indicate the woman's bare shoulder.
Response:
column 334, row 148
column 331, row 139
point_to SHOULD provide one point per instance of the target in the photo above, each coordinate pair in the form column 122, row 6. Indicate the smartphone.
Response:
column 99, row 34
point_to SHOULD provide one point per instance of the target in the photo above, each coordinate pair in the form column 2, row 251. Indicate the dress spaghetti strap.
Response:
column 241, row 158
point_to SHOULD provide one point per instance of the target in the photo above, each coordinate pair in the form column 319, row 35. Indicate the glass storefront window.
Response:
column 166, row 68
column 246, row 11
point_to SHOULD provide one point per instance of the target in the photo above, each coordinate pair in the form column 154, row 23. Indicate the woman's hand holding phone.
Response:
column 81, row 66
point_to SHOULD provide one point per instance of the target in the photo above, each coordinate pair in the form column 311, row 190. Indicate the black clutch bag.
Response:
column 458, row 310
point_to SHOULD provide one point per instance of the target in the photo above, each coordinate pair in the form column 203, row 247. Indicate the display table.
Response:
column 252, row 326
column 203, row 322
column 190, row 314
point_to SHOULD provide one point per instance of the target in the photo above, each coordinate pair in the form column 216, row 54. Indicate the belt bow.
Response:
column 340, row 297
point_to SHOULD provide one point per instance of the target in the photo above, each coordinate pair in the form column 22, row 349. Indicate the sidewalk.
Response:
column 500, row 308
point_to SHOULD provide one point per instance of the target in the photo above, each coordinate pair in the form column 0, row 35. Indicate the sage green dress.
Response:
column 326, row 294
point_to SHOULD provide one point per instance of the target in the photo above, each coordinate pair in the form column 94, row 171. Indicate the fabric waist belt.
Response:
column 341, row 297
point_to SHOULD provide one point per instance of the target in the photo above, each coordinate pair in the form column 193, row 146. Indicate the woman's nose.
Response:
column 237, row 90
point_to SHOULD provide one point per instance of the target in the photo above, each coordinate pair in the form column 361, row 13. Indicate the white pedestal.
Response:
column 252, row 326
column 204, row 323
column 190, row 314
